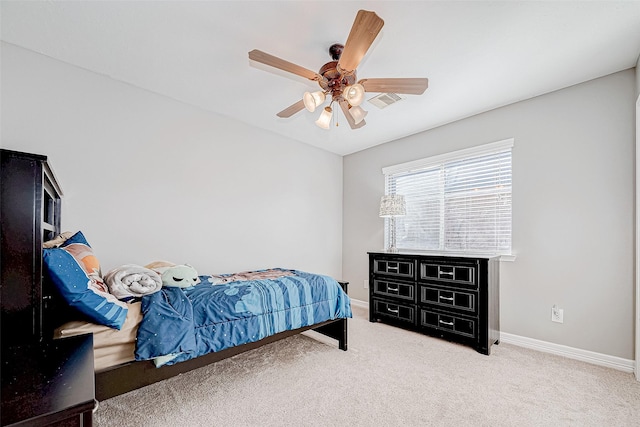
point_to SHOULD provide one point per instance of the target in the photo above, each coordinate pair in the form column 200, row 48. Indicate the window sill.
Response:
column 502, row 257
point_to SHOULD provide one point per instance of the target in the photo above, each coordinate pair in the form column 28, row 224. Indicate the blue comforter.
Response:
column 185, row 323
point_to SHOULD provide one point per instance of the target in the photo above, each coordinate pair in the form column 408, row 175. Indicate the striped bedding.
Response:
column 182, row 323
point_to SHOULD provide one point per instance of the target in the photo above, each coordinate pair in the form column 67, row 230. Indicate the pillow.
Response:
column 75, row 271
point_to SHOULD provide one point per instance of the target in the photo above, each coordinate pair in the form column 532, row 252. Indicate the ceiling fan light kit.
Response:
column 312, row 100
column 325, row 118
column 357, row 113
column 337, row 78
column 354, row 94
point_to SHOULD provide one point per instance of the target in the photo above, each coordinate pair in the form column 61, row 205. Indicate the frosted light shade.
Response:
column 354, row 94
column 358, row 114
column 312, row 100
column 325, row 118
column 392, row 205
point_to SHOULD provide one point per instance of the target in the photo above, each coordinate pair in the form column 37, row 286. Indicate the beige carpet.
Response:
column 389, row 377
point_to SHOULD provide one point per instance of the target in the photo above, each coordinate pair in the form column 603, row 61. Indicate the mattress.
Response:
column 111, row 347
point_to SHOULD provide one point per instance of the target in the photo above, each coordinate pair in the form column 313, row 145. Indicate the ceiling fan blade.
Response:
column 274, row 61
column 365, row 29
column 345, row 109
column 291, row 110
column 408, row 86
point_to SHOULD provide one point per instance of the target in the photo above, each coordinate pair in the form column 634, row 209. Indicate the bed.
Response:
column 117, row 371
column 115, row 350
column 176, row 327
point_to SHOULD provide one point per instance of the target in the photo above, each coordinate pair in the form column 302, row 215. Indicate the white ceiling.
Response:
column 478, row 55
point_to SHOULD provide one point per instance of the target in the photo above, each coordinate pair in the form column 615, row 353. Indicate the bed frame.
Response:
column 31, row 296
column 133, row 375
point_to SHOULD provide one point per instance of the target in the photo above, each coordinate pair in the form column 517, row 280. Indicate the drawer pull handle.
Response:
column 448, row 273
column 392, row 289
column 447, row 298
column 446, row 323
column 390, row 310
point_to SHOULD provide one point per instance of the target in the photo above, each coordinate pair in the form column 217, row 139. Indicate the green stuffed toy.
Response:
column 180, row 276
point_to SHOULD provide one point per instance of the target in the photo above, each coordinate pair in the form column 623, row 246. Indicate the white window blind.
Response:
column 457, row 202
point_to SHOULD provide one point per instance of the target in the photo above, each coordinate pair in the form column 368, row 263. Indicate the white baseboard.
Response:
column 600, row 359
column 625, row 365
column 359, row 303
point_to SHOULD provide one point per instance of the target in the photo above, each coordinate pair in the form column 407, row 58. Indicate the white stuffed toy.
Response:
column 177, row 276
column 180, row 276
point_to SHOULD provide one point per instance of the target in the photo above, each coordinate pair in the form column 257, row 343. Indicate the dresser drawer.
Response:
column 389, row 288
column 449, row 298
column 394, row 267
column 455, row 273
column 401, row 312
column 445, row 322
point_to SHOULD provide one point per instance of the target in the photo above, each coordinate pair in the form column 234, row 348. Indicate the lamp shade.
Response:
column 325, row 118
column 312, row 100
column 358, row 114
column 392, row 205
column 354, row 94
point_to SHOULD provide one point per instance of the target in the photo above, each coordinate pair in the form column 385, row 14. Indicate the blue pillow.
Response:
column 75, row 271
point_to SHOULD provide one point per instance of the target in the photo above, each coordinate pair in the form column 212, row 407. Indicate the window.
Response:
column 457, row 202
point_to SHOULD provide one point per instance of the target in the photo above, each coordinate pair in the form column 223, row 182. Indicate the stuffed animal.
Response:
column 180, row 276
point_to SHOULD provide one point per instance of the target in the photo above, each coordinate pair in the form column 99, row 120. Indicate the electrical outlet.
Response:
column 366, row 284
column 557, row 314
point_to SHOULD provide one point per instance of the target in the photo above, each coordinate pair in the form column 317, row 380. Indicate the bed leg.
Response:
column 342, row 334
column 336, row 330
column 342, row 342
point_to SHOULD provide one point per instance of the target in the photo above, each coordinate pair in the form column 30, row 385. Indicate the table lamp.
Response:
column 391, row 206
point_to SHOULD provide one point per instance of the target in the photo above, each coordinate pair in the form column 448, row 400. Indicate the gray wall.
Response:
column 573, row 207
column 149, row 178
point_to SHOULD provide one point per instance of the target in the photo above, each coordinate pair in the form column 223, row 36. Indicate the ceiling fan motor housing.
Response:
column 333, row 81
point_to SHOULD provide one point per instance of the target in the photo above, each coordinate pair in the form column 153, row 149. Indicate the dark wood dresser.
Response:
column 456, row 298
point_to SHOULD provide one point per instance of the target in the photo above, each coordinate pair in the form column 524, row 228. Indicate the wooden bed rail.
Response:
column 133, row 375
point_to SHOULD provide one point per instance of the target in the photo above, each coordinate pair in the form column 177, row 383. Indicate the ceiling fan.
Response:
column 337, row 79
